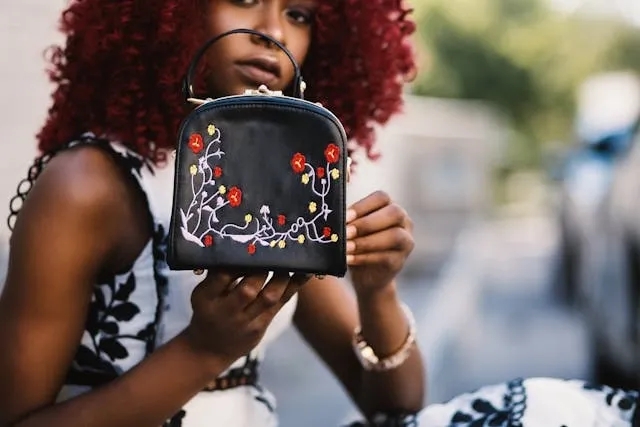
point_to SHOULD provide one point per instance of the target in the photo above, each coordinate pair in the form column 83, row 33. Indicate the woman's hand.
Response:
column 231, row 313
column 379, row 240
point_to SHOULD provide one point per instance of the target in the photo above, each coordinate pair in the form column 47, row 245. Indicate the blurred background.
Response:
column 518, row 157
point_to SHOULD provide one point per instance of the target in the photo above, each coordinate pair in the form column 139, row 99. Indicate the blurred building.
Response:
column 437, row 161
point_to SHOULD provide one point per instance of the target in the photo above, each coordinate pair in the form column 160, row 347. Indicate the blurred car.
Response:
column 610, row 292
column 608, row 272
column 604, row 128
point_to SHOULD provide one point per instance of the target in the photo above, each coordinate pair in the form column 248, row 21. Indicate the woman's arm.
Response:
column 80, row 220
column 326, row 317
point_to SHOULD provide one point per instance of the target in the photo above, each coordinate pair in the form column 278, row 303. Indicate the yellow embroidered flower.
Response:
column 335, row 173
column 248, row 218
column 301, row 239
column 305, row 178
column 222, row 189
column 334, row 238
column 193, row 169
column 211, row 130
column 273, row 243
column 282, row 244
column 313, row 207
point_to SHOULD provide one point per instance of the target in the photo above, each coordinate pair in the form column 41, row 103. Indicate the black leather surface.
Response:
column 275, row 226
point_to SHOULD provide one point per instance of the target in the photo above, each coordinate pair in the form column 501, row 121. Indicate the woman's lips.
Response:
column 255, row 74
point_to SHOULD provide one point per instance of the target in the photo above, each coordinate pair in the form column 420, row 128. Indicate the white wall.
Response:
column 27, row 27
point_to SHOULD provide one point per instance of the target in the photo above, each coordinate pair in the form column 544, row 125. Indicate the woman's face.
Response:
column 241, row 61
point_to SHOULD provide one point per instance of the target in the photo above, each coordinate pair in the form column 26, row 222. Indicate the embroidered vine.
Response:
column 200, row 223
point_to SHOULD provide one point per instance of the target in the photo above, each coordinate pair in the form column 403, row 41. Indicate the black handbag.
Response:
column 260, row 182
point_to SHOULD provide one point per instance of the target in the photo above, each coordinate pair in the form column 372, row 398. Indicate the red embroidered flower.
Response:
column 217, row 172
column 282, row 219
column 332, row 153
column 298, row 162
column 326, row 232
column 251, row 249
column 196, row 144
column 234, row 196
column 208, row 240
column 320, row 172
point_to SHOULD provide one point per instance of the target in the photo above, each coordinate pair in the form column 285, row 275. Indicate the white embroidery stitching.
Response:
column 257, row 229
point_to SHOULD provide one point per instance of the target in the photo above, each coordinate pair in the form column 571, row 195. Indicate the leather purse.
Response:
column 260, row 182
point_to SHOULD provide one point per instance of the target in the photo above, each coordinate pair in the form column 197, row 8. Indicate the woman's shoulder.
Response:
column 86, row 186
column 85, row 177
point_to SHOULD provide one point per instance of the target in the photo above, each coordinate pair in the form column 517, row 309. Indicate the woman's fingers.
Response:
column 270, row 297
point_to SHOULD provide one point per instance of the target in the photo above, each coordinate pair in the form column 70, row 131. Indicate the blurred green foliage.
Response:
column 521, row 56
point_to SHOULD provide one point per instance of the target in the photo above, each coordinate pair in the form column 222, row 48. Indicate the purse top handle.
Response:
column 298, row 82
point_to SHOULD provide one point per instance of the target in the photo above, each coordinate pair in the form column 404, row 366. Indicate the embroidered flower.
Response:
column 193, row 170
column 313, row 207
column 298, row 162
column 217, row 172
column 320, row 172
column 196, row 144
column 211, row 130
column 334, row 238
column 222, row 189
column 301, row 239
column 273, row 243
column 234, row 197
column 251, row 249
column 208, row 240
column 282, row 220
column 305, row 178
column 326, row 232
column 282, row 244
column 335, row 173
column 248, row 218
column 332, row 153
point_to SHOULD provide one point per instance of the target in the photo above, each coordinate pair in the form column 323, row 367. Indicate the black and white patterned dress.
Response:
column 134, row 313
column 131, row 314
column 537, row 402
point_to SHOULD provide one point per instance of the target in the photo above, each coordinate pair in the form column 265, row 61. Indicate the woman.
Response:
column 97, row 332
column 100, row 332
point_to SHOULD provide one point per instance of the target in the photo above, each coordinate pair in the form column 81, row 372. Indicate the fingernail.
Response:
column 351, row 247
column 352, row 232
column 351, row 215
column 350, row 259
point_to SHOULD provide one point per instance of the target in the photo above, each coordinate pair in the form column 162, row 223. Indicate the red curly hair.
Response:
column 359, row 58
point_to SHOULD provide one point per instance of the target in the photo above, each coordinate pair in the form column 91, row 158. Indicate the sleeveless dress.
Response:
column 134, row 313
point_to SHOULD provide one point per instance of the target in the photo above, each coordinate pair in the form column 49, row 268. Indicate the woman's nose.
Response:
column 271, row 23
